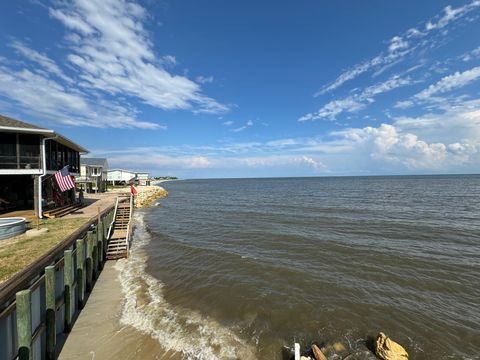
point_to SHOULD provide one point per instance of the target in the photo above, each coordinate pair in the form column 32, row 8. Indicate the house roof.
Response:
column 100, row 162
column 14, row 125
column 132, row 172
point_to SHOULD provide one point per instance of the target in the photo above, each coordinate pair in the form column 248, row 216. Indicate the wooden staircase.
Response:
column 120, row 230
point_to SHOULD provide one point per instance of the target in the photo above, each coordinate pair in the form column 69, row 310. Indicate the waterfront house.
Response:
column 29, row 156
column 120, row 177
column 142, row 178
column 93, row 174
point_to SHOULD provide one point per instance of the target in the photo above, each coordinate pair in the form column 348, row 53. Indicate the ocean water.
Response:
column 243, row 268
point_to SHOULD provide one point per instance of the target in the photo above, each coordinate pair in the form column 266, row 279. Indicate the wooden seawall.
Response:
column 40, row 304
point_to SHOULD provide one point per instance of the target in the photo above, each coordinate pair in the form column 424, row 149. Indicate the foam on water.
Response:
column 176, row 329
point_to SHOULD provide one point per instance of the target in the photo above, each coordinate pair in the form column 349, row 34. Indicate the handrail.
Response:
column 113, row 219
column 127, row 237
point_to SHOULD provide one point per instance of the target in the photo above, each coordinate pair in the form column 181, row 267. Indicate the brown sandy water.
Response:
column 241, row 269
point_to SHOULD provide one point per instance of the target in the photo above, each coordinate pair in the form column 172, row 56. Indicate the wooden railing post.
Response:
column 89, row 263
column 50, row 316
column 24, row 324
column 68, row 293
column 80, row 273
column 100, row 243
column 95, row 253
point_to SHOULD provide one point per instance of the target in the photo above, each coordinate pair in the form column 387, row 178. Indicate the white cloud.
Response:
column 113, row 53
column 403, row 104
column 356, row 102
column 399, row 48
column 38, row 95
column 451, row 14
column 248, row 124
column 228, row 123
column 204, row 79
column 397, row 43
column 450, row 82
column 41, row 59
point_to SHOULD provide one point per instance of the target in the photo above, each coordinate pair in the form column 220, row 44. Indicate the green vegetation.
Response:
column 20, row 251
column 165, row 178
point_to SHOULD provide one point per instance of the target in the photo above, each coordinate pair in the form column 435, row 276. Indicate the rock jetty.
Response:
column 147, row 195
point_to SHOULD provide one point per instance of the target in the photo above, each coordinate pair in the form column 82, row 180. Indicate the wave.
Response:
column 176, row 329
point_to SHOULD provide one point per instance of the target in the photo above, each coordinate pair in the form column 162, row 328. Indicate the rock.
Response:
column 387, row 349
column 36, row 232
column 317, row 353
column 305, row 358
column 339, row 347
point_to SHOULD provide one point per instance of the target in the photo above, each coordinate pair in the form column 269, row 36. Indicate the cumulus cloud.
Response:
column 388, row 144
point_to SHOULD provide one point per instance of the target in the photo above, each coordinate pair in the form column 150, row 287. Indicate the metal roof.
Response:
column 93, row 161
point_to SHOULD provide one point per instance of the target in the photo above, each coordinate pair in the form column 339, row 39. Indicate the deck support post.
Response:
column 24, row 324
column 50, row 315
column 68, row 293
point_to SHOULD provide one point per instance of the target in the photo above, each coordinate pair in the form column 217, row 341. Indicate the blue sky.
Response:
column 251, row 88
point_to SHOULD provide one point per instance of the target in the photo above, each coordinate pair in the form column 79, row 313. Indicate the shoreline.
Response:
column 98, row 331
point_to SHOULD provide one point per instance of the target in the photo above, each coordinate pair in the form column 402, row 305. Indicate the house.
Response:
column 142, row 178
column 93, row 174
column 29, row 156
column 120, row 177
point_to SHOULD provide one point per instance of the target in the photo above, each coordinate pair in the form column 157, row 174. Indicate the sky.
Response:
column 201, row 89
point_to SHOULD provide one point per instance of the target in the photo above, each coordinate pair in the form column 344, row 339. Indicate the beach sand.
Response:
column 98, row 333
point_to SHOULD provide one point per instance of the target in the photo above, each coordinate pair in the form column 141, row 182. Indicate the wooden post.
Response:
column 100, row 243
column 50, row 318
column 95, row 253
column 24, row 324
column 68, row 293
column 80, row 274
column 89, row 261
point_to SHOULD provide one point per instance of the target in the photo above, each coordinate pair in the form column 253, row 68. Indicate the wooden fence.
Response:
column 40, row 303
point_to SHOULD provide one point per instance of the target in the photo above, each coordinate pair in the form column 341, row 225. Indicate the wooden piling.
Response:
column 50, row 315
column 68, row 293
column 89, row 264
column 24, row 324
column 95, row 253
column 100, row 243
column 80, row 273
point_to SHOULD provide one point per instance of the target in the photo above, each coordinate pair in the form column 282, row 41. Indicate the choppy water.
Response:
column 240, row 269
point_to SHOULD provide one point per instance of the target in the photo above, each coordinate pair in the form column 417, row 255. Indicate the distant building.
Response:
column 93, row 174
column 142, row 178
column 120, row 177
column 29, row 156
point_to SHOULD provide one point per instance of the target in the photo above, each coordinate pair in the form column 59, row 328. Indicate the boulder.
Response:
column 317, row 353
column 387, row 349
column 36, row 232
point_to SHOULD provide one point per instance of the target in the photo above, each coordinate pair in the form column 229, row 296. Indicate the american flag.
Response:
column 64, row 180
